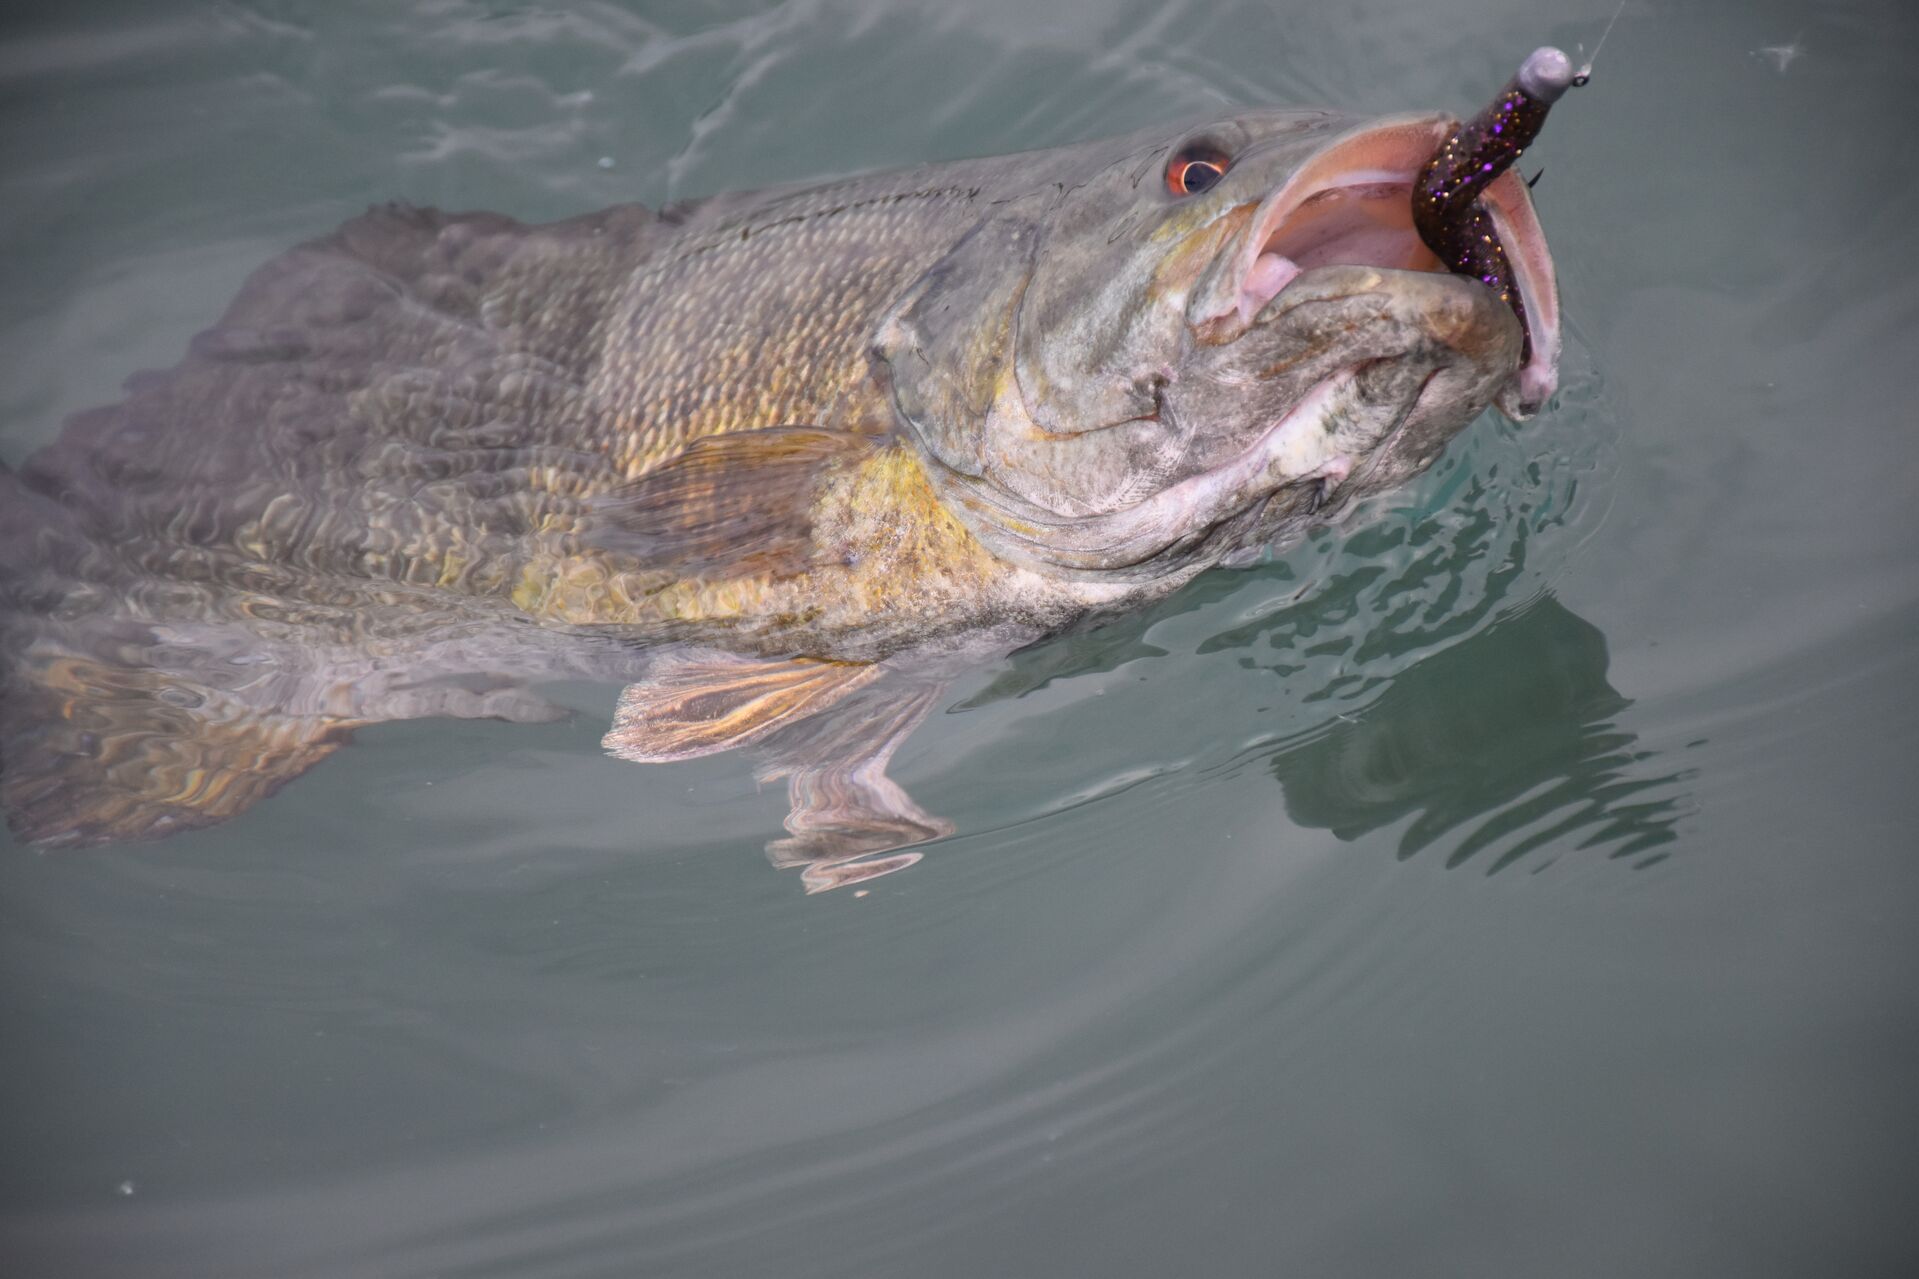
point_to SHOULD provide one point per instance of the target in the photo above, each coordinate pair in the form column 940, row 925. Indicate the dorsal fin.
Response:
column 698, row 703
column 731, row 504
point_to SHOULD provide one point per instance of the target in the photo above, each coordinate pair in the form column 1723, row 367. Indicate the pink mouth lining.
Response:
column 1352, row 204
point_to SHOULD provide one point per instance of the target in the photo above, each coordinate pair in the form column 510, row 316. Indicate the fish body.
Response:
column 759, row 454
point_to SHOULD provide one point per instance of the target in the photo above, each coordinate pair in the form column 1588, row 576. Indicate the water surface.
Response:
column 1520, row 884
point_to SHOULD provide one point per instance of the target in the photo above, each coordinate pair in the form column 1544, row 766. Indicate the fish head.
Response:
column 1166, row 350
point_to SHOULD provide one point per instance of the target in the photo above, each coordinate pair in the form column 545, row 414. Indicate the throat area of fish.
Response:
column 890, row 567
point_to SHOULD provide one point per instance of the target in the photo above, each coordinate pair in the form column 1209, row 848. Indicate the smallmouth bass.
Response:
column 782, row 461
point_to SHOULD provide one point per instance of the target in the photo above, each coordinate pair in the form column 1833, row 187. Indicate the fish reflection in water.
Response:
column 781, row 462
column 1434, row 686
column 1504, row 744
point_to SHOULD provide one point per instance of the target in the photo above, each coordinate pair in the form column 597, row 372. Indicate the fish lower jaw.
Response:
column 1303, row 447
column 1166, row 537
column 1312, row 450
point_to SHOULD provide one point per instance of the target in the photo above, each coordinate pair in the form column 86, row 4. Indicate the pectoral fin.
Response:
column 828, row 728
column 847, row 816
column 698, row 703
column 730, row 504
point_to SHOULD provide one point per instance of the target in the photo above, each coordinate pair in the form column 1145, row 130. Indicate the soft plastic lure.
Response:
column 1446, row 205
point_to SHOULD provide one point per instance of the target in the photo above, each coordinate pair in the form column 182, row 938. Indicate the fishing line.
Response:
column 1585, row 73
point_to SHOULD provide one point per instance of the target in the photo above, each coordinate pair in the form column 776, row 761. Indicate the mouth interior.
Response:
column 1364, row 222
column 1352, row 205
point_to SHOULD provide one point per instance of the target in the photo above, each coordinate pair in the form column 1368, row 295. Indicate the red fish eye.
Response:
column 1193, row 171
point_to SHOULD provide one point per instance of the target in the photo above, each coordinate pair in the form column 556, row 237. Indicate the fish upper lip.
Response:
column 1364, row 179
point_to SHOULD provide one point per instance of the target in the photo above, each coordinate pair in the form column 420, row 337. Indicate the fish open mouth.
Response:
column 1351, row 204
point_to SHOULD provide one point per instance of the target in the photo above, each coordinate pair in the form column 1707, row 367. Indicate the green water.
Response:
column 1524, row 884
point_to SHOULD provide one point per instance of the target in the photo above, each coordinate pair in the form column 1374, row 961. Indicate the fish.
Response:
column 780, row 462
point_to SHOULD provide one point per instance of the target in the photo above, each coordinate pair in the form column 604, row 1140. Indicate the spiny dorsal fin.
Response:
column 731, row 504
column 699, row 703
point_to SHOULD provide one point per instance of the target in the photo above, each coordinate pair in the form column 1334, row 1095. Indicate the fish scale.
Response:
column 738, row 455
column 799, row 280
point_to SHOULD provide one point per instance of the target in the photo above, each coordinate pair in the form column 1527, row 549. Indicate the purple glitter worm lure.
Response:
column 1446, row 207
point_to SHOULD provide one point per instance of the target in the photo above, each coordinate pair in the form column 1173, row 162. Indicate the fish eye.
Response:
column 1195, row 169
